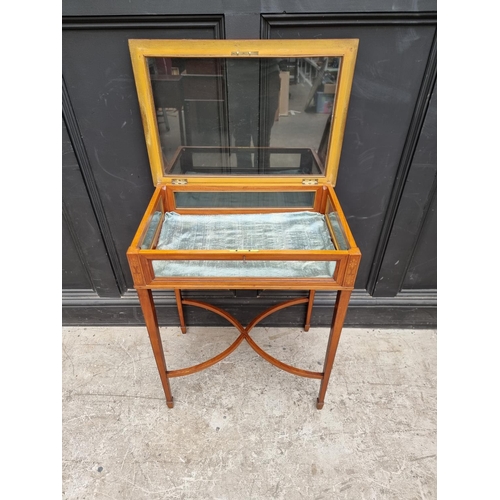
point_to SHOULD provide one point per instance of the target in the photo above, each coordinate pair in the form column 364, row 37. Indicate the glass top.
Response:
column 244, row 116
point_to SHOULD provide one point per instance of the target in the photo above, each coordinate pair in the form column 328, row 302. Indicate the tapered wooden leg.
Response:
column 339, row 313
column 307, row 324
column 178, row 298
column 148, row 309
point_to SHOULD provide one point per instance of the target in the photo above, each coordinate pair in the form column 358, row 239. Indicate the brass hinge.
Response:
column 179, row 181
column 310, row 182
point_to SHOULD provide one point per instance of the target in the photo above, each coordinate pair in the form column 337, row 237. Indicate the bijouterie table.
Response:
column 230, row 215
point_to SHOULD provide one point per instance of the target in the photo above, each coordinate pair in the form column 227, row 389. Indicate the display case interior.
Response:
column 297, row 235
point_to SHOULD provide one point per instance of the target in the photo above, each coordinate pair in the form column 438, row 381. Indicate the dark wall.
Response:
column 387, row 175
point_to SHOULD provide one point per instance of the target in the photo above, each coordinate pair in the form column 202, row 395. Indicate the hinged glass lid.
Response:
column 260, row 109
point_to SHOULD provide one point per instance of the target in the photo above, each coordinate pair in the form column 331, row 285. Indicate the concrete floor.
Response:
column 244, row 429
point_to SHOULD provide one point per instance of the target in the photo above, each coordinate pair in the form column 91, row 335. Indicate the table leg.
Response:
column 339, row 314
column 307, row 324
column 178, row 299
column 148, row 309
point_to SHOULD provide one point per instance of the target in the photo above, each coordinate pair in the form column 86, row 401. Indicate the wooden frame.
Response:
column 141, row 254
column 141, row 49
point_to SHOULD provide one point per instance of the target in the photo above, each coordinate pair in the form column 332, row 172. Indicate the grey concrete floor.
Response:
column 244, row 429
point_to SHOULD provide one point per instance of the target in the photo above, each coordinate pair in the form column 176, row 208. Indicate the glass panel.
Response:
column 338, row 232
column 244, row 269
column 150, row 233
column 244, row 116
column 224, row 161
column 247, row 199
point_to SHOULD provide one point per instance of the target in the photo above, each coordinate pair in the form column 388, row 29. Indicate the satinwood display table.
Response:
column 243, row 199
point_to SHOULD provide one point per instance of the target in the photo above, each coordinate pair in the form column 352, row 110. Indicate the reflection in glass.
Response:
column 151, row 231
column 248, row 199
column 243, row 269
column 340, row 239
column 244, row 116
